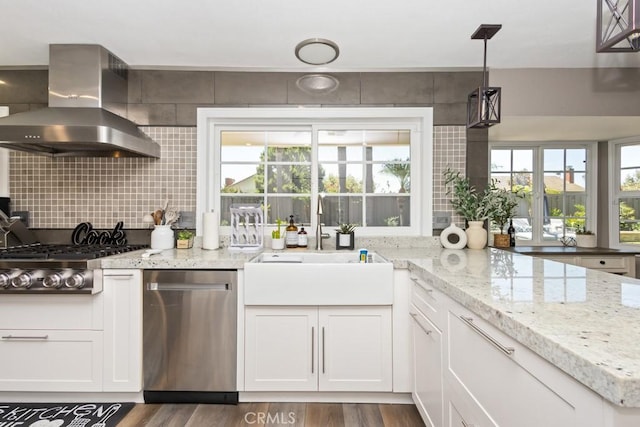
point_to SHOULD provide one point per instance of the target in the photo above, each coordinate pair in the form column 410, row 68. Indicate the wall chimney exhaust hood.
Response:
column 87, row 97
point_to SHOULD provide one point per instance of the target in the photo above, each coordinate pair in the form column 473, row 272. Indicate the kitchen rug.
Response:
column 63, row 414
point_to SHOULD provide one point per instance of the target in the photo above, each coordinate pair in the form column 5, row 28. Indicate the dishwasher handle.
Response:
column 155, row 286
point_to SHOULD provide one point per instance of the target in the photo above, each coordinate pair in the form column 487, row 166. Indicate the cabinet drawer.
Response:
column 603, row 263
column 51, row 312
column 480, row 367
column 428, row 301
column 47, row 360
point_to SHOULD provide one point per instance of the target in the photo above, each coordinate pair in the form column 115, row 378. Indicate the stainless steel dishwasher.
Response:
column 189, row 336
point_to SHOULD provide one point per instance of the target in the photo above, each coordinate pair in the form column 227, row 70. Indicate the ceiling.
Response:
column 262, row 34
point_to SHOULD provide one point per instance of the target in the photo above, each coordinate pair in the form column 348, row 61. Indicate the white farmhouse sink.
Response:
column 314, row 278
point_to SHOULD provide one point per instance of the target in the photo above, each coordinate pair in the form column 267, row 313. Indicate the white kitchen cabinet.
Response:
column 122, row 367
column 318, row 348
column 281, row 348
column 50, row 360
column 427, row 369
column 624, row 264
column 51, row 342
column 485, row 378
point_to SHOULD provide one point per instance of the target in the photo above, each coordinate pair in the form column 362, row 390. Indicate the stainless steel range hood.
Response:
column 88, row 91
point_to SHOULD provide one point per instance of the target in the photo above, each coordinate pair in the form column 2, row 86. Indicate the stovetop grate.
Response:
column 65, row 252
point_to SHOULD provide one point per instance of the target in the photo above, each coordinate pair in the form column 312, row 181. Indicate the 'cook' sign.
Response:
column 85, row 234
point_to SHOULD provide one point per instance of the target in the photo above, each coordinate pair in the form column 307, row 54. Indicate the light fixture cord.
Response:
column 485, row 83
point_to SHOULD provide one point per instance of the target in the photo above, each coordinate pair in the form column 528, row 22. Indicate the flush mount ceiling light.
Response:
column 317, row 83
column 317, row 51
column 618, row 26
column 483, row 104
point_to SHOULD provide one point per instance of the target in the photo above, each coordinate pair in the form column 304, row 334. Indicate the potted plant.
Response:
column 501, row 205
column 345, row 236
column 585, row 238
column 184, row 239
column 277, row 237
column 469, row 204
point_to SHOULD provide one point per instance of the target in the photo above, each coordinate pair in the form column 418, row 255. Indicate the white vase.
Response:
column 586, row 240
column 453, row 237
column 476, row 235
column 162, row 237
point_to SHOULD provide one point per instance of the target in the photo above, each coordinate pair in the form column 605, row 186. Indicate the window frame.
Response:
column 419, row 120
column 538, row 148
column 615, row 194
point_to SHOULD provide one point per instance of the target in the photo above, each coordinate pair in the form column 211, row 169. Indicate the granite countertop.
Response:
column 570, row 250
column 583, row 321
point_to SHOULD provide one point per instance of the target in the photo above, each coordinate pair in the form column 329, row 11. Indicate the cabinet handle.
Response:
column 25, row 337
column 415, row 317
column 119, row 276
column 313, row 346
column 506, row 350
column 323, row 350
column 464, row 424
column 602, row 262
column 421, row 284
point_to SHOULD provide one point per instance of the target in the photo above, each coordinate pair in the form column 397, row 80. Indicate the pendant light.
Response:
column 618, row 26
column 483, row 104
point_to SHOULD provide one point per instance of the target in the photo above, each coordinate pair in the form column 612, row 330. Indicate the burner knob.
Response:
column 5, row 280
column 76, row 280
column 23, row 280
column 53, row 280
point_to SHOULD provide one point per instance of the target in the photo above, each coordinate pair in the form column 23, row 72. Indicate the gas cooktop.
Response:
column 64, row 252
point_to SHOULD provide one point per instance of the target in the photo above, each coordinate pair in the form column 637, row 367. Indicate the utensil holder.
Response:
column 162, row 237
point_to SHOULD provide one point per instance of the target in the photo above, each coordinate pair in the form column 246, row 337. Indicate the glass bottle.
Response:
column 512, row 234
column 291, row 236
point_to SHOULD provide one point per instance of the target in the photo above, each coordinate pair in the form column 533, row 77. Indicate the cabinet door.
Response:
column 122, row 291
column 427, row 369
column 355, row 349
column 281, row 346
column 481, row 368
column 50, row 360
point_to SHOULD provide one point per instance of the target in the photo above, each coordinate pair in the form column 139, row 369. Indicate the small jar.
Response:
column 162, row 237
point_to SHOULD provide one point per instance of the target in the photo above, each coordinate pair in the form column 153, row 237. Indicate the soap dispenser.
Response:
column 302, row 237
column 291, row 236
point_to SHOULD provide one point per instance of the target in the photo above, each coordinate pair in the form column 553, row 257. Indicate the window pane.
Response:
column 282, row 207
column 241, row 146
column 392, row 177
column 340, row 145
column 522, row 160
column 576, row 159
column 341, row 210
column 630, row 179
column 388, row 211
column 239, row 178
column 340, row 178
column 629, row 213
column 226, row 200
column 286, row 179
column 630, row 156
column 553, row 159
column 500, row 160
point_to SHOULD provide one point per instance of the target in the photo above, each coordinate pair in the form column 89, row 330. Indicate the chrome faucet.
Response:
column 319, row 234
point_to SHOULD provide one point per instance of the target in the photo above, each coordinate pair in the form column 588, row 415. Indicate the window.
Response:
column 364, row 163
column 559, row 192
column 625, row 193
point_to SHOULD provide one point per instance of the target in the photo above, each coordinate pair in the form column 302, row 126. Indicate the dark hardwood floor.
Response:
column 273, row 414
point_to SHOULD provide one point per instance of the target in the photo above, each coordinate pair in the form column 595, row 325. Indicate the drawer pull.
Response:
column 119, row 276
column 602, row 262
column 25, row 337
column 506, row 350
column 464, row 424
column 421, row 284
column 313, row 347
column 415, row 317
